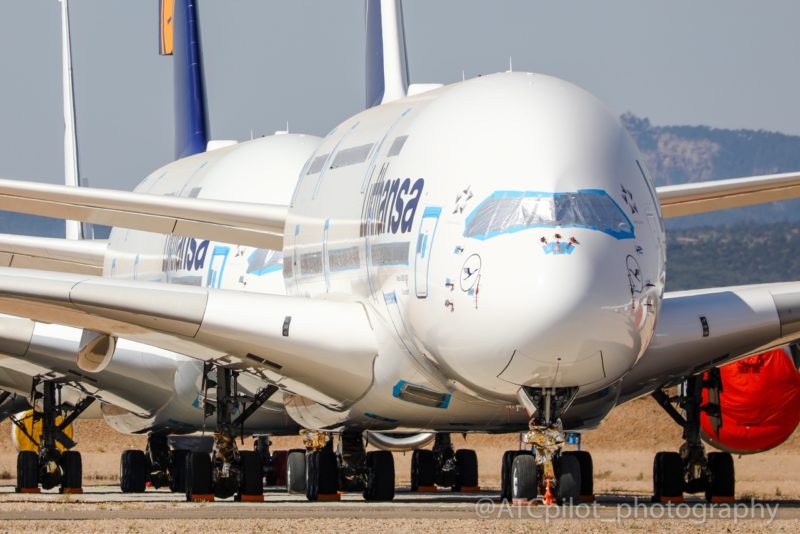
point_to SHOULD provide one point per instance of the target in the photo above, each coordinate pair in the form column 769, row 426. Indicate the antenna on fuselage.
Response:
column 510, row 64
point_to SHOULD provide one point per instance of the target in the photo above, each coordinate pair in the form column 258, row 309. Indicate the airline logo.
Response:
column 390, row 206
column 185, row 254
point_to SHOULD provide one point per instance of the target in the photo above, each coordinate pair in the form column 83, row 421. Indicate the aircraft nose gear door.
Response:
column 427, row 231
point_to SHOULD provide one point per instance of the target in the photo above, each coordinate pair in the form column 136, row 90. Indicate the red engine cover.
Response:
column 760, row 401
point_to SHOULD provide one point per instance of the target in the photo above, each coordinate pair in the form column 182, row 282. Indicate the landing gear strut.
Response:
column 444, row 467
column 546, row 470
column 51, row 467
column 690, row 470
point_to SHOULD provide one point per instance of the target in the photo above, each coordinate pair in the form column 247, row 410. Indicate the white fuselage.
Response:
column 501, row 232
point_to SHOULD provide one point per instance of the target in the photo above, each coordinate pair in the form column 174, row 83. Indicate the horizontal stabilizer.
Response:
column 319, row 349
column 701, row 197
column 52, row 254
column 242, row 223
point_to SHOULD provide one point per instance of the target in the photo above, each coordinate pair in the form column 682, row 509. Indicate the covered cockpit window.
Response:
column 511, row 211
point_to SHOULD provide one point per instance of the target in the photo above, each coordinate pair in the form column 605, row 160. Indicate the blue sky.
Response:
column 728, row 64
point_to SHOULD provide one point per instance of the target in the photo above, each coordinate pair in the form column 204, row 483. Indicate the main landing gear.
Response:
column 444, row 467
column 327, row 471
column 50, row 466
column 226, row 471
column 690, row 470
column 559, row 476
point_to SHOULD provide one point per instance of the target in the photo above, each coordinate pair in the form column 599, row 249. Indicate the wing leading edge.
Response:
column 320, row 349
column 258, row 225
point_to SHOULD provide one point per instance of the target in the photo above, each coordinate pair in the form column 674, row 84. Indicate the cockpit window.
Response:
column 511, row 211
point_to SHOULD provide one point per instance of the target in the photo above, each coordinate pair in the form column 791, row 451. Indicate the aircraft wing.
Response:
column 52, row 254
column 700, row 329
column 689, row 199
column 320, row 349
column 258, row 225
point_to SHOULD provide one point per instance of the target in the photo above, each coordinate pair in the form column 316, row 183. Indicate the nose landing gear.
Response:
column 545, row 470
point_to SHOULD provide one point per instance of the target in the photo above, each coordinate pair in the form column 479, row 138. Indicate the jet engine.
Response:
column 753, row 404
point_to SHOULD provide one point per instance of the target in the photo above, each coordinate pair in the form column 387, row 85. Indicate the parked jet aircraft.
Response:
column 483, row 256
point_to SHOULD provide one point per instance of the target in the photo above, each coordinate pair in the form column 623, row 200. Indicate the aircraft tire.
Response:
column 523, row 478
column 667, row 476
column 132, row 471
column 505, row 472
column 467, row 468
column 72, row 468
column 380, row 476
column 568, row 479
column 27, row 471
column 322, row 474
column 296, row 471
column 276, row 476
column 177, row 479
column 198, row 474
column 251, row 470
column 423, row 469
column 587, row 472
column 722, row 476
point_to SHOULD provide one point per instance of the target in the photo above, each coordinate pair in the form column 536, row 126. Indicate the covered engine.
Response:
column 759, row 401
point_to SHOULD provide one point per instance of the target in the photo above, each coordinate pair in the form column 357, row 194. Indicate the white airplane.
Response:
column 483, row 256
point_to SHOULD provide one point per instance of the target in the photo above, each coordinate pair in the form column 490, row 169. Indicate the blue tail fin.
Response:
column 180, row 37
column 386, row 64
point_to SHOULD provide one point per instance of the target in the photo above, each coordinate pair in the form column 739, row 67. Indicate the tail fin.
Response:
column 72, row 229
column 386, row 61
column 180, row 37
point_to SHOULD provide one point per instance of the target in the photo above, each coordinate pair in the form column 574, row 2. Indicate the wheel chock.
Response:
column 524, row 502
column 586, row 498
column 201, row 497
column 678, row 499
column 427, row 489
column 723, row 499
column 470, row 489
column 29, row 490
column 71, row 491
column 249, row 498
column 329, row 497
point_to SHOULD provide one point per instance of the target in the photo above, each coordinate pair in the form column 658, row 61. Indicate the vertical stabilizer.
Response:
column 180, row 37
column 386, row 62
column 73, row 229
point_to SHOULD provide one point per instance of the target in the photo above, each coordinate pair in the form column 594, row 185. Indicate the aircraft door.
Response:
column 427, row 231
column 216, row 268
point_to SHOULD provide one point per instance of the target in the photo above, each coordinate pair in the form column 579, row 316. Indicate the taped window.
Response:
column 263, row 261
column 311, row 264
column 344, row 259
column 511, row 211
column 389, row 253
column 397, row 146
column 351, row 156
column 317, row 164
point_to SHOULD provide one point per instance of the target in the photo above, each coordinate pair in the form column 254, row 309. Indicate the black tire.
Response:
column 177, row 471
column 198, row 474
column 505, row 472
column 132, row 471
column 467, row 469
column 523, row 477
column 380, row 476
column 722, row 476
column 296, row 472
column 322, row 473
column 587, row 471
column 72, row 467
column 251, row 479
column 568, row 479
column 27, row 471
column 667, row 476
column 276, row 476
column 423, row 469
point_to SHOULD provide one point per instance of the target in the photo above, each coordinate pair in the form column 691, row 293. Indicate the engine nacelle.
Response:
column 759, row 399
column 399, row 442
column 95, row 351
